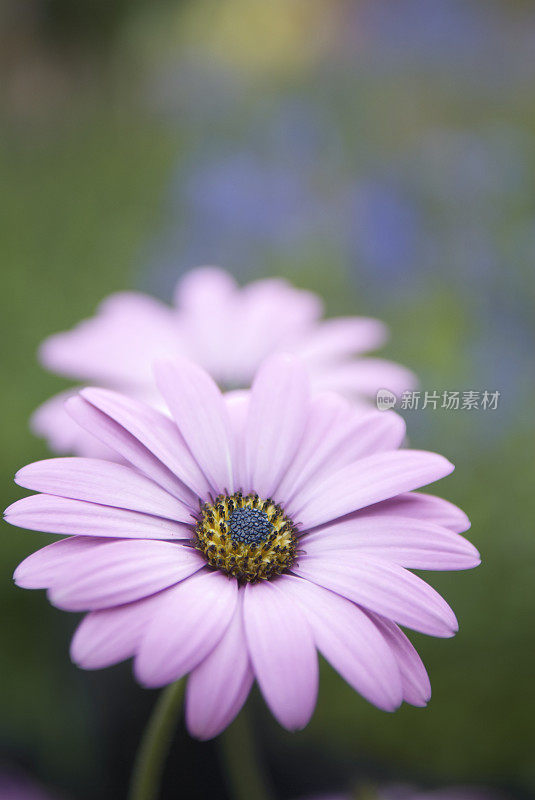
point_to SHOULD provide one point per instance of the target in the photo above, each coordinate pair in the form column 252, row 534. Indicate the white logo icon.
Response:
column 385, row 399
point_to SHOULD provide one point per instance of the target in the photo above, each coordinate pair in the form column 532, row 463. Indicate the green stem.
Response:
column 154, row 747
column 245, row 775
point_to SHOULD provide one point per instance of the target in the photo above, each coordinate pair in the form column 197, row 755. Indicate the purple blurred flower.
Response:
column 226, row 329
column 18, row 787
column 406, row 792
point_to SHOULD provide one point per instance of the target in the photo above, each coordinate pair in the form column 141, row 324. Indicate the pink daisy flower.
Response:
column 226, row 329
column 17, row 787
column 241, row 536
column 404, row 792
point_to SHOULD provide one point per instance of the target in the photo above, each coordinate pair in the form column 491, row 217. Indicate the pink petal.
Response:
column 327, row 416
column 336, row 441
column 40, row 569
column 101, row 482
column 219, row 686
column 202, row 418
column 414, row 678
column 186, row 628
column 257, row 305
column 206, row 300
column 237, row 404
column 128, row 447
column 412, row 543
column 63, row 434
column 277, row 416
column 122, row 572
column 113, row 634
column 370, row 433
column 364, row 376
column 118, row 345
column 298, row 310
column 155, row 431
column 203, row 288
column 342, row 337
column 384, row 588
column 49, row 514
column 282, row 652
column 348, row 639
column 368, row 481
column 422, row 506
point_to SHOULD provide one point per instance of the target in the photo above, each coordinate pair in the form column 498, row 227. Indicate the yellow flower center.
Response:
column 246, row 537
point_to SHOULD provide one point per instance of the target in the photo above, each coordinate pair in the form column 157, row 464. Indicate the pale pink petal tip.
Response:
column 190, row 621
column 39, row 570
column 282, row 652
column 52, row 422
column 219, row 686
column 112, row 635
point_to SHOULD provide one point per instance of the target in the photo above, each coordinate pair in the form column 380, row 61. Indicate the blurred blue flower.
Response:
column 386, row 235
column 238, row 211
column 412, row 30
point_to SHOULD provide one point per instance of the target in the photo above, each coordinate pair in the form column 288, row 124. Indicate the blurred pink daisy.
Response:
column 405, row 792
column 242, row 535
column 18, row 787
column 226, row 329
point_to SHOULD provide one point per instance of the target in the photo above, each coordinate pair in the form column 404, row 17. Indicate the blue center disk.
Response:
column 249, row 526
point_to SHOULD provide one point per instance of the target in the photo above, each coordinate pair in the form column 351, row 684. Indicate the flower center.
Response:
column 246, row 537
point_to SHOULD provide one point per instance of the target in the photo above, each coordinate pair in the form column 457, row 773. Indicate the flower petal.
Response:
column 109, row 636
column 103, row 482
column 296, row 312
column 187, row 626
column 200, row 413
column 154, row 430
column 327, row 415
column 364, row 376
column 282, row 652
column 277, row 415
column 384, row 588
column 333, row 440
column 422, row 506
column 50, row 514
column 350, row 641
column 342, row 337
column 368, row 481
column 206, row 300
column 219, row 686
column 412, row 543
column 202, row 289
column 118, row 344
column 414, row 678
column 40, row 569
column 371, row 432
column 253, row 309
column 62, row 434
column 122, row 572
column 127, row 446
column 237, row 403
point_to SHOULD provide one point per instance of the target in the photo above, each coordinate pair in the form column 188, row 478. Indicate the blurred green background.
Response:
column 382, row 154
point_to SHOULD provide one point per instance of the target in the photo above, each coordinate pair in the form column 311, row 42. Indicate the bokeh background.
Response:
column 381, row 153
